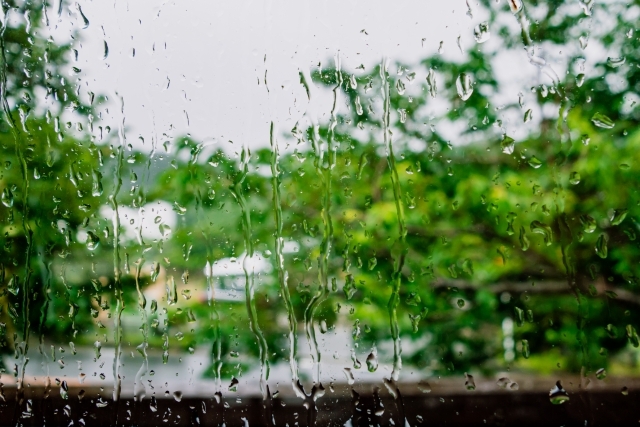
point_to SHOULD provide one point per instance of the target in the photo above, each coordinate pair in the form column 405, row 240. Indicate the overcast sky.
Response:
column 199, row 66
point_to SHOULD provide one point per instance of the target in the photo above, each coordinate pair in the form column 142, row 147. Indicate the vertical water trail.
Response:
column 238, row 194
column 28, row 232
column 396, row 280
column 518, row 9
column 139, row 388
column 324, row 168
column 117, row 273
column 283, row 275
column 216, row 350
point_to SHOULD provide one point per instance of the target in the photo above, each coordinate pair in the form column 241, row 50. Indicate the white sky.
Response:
column 213, row 54
column 205, row 59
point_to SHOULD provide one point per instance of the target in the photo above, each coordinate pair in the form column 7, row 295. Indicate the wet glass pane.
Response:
column 319, row 213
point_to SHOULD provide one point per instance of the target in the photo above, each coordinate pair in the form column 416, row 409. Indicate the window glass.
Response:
column 343, row 213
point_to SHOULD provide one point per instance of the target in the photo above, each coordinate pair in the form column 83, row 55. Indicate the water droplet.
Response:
column 601, row 246
column 372, row 362
column 431, row 82
column 588, row 223
column 615, row 62
column 64, row 390
column 540, row 228
column 503, row 382
column 93, row 241
column 85, row 21
column 469, row 383
column 618, row 216
column 507, row 145
column 601, row 374
column 519, row 313
column 481, row 32
column 624, row 391
column 574, row 178
column 580, row 79
column 400, row 87
column 558, row 395
column 177, row 396
column 526, row 350
column 464, row 86
column 359, row 109
column 528, row 115
column 460, row 302
column 424, row 386
column 353, row 82
column 611, row 330
column 153, row 405
column 632, row 335
column 524, row 240
column 534, row 162
column 233, row 386
column 602, row 121
column 349, row 374
column 7, row 197
column 515, row 5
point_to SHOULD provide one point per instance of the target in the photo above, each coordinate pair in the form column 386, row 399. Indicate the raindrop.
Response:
column 558, row 395
column 602, row 121
column 515, row 5
column 64, row 390
column 424, row 386
column 153, row 405
column 503, row 382
column 372, row 361
column 431, row 82
column 524, row 240
column 177, row 396
column 545, row 230
column 588, row 223
column 105, row 53
column 601, row 374
column 85, row 21
column 507, row 145
column 93, row 241
column 624, row 391
column 601, row 246
column 481, row 32
column 349, row 374
column 528, row 115
column 618, row 216
column 7, row 197
column 233, row 387
column 526, row 350
column 574, row 178
column 464, row 86
column 469, row 383
column 534, row 162
column 615, row 62
column 400, row 87
column 460, row 302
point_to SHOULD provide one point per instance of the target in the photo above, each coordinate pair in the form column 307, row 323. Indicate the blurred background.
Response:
column 306, row 201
